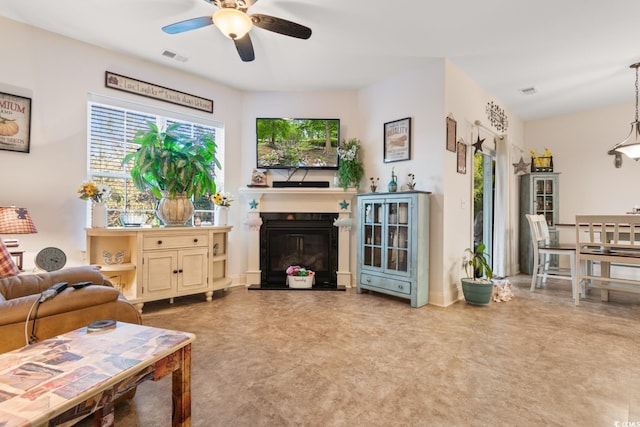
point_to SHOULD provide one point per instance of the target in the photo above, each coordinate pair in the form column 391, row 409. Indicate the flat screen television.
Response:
column 283, row 143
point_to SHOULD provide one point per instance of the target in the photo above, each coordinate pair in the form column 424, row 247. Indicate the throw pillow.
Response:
column 7, row 266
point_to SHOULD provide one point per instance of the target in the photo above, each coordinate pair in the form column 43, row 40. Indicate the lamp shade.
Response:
column 232, row 22
column 630, row 147
column 15, row 220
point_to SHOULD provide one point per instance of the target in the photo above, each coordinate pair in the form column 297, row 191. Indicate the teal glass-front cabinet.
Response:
column 538, row 196
column 393, row 244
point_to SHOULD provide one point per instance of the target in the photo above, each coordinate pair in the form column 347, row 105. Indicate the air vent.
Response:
column 528, row 90
column 173, row 55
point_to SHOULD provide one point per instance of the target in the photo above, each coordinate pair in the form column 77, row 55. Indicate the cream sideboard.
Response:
column 149, row 264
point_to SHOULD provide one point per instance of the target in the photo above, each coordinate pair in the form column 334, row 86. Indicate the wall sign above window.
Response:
column 150, row 90
column 497, row 117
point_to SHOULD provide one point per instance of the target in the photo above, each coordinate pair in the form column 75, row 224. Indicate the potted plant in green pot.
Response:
column 477, row 287
column 175, row 168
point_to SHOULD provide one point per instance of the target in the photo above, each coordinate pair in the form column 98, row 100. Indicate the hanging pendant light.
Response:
column 630, row 147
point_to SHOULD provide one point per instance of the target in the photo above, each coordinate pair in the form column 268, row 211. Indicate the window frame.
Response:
column 161, row 117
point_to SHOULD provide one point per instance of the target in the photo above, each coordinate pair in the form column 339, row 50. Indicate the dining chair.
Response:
column 542, row 251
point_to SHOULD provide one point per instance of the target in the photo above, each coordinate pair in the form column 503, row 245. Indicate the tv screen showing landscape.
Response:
column 297, row 143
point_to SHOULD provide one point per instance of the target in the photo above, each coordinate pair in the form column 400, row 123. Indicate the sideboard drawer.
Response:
column 175, row 242
column 401, row 286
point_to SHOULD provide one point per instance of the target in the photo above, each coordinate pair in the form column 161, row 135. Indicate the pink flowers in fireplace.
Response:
column 296, row 270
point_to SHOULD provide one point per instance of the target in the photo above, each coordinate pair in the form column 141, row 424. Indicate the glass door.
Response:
column 397, row 246
column 372, row 250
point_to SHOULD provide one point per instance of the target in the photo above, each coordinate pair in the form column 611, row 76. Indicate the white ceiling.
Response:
column 576, row 53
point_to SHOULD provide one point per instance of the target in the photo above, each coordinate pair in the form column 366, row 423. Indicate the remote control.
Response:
column 80, row 285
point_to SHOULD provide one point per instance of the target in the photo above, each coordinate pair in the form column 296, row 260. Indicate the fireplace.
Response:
column 309, row 240
column 262, row 202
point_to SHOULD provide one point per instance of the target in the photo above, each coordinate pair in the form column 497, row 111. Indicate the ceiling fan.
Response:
column 232, row 20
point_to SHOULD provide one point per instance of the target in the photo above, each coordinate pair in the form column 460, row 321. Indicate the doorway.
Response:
column 484, row 179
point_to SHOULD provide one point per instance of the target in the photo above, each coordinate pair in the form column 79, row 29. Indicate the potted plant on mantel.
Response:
column 350, row 170
column 477, row 287
column 175, row 168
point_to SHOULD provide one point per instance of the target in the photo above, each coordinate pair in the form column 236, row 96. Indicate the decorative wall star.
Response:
column 344, row 205
column 521, row 166
column 478, row 145
column 253, row 204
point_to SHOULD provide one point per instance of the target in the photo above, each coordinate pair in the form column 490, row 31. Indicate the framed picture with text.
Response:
column 462, row 157
column 15, row 122
column 397, row 140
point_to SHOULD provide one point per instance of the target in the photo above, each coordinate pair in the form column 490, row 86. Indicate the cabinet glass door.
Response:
column 545, row 199
column 372, row 250
column 397, row 243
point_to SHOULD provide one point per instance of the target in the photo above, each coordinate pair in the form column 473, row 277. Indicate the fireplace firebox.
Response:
column 309, row 240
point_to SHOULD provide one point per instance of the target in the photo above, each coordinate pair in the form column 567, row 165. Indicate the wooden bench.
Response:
column 608, row 240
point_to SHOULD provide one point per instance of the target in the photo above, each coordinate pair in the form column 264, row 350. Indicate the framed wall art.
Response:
column 150, row 90
column 15, row 122
column 397, row 140
column 462, row 157
column 451, row 133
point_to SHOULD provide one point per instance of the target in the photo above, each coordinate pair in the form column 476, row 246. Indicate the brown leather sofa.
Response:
column 69, row 310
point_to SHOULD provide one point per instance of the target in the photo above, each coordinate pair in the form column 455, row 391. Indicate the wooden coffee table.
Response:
column 79, row 373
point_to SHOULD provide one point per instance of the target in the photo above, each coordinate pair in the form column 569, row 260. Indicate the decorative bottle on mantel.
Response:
column 393, row 184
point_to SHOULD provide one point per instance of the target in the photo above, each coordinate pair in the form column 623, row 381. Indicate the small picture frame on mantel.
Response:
column 258, row 179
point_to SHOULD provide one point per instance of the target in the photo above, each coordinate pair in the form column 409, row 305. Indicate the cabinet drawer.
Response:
column 175, row 242
column 400, row 286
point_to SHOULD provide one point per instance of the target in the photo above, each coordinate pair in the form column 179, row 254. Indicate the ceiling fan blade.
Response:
column 245, row 48
column 188, row 25
column 281, row 26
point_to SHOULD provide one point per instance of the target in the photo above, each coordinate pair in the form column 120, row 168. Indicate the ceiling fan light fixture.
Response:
column 232, row 22
column 630, row 147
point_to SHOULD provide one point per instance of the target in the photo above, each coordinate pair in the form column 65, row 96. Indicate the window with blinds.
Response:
column 110, row 138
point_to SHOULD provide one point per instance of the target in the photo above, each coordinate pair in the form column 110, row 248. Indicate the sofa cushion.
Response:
column 7, row 266
column 29, row 284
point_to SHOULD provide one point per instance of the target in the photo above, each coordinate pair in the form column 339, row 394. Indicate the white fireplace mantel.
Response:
column 326, row 200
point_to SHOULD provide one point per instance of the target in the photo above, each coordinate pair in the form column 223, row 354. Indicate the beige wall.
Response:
column 589, row 182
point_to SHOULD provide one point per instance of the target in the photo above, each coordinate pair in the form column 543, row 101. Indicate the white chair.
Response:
column 542, row 251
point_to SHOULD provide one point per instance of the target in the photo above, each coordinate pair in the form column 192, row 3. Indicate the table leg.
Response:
column 605, row 271
column 181, row 384
column 105, row 416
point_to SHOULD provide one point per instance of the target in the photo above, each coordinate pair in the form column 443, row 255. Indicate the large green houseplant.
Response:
column 477, row 287
column 175, row 168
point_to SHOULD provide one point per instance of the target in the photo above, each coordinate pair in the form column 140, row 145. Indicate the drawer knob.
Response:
column 195, row 240
column 175, row 271
column 159, row 242
column 368, row 279
column 180, row 271
column 400, row 287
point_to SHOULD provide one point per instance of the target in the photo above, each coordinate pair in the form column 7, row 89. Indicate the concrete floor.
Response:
column 280, row 358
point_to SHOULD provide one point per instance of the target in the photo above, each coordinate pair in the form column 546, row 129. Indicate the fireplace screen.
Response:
column 307, row 240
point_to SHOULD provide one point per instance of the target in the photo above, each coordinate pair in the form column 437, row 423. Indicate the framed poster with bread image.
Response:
column 397, row 140
column 15, row 122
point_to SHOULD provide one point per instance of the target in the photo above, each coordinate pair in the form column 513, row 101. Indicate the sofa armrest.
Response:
column 16, row 309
